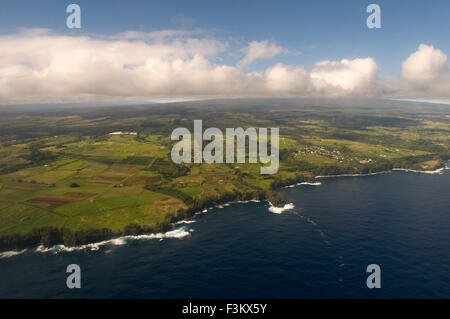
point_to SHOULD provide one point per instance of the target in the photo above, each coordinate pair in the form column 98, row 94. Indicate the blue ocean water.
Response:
column 318, row 249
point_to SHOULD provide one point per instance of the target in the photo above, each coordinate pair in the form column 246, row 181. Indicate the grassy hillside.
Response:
column 65, row 179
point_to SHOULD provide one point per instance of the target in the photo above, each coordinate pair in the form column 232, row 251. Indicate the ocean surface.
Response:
column 319, row 248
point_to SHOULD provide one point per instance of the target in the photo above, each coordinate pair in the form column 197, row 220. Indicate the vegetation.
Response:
column 65, row 179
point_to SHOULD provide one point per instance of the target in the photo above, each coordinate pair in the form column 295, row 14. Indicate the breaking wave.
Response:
column 303, row 183
column 178, row 233
column 185, row 221
column 279, row 210
column 11, row 253
column 311, row 184
column 437, row 171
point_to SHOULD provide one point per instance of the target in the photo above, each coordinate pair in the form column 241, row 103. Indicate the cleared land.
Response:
column 64, row 178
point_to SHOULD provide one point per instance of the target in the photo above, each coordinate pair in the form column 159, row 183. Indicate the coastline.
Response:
column 182, row 231
column 178, row 233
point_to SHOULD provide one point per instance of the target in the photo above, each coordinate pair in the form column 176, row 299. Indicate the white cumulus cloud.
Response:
column 345, row 77
column 426, row 72
column 40, row 66
column 287, row 79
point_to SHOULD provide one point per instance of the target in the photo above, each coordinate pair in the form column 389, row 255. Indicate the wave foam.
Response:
column 437, row 171
column 279, row 210
column 311, row 184
column 303, row 183
column 185, row 222
column 11, row 253
column 176, row 233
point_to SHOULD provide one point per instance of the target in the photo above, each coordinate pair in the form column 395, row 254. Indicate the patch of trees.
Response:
column 412, row 162
column 362, row 121
column 379, row 166
column 280, row 182
column 444, row 156
column 285, row 153
column 276, row 198
column 162, row 127
column 334, row 170
column 38, row 156
column 5, row 169
column 136, row 229
column 374, row 167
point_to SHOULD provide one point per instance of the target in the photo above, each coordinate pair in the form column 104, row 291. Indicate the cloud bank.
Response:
column 40, row 66
column 426, row 72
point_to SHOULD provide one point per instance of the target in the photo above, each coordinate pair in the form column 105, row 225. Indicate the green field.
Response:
column 65, row 179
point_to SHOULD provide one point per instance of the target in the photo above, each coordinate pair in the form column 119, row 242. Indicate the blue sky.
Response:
column 312, row 30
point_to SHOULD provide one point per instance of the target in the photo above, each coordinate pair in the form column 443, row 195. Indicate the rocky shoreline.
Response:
column 48, row 237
